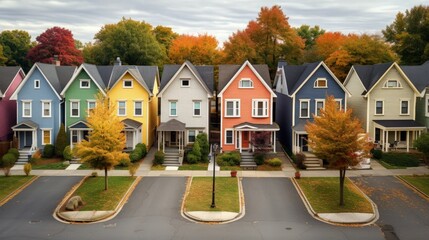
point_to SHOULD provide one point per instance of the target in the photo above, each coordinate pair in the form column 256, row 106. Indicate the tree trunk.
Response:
column 342, row 178
column 105, row 179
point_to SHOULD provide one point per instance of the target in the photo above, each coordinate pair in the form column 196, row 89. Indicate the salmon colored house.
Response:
column 246, row 108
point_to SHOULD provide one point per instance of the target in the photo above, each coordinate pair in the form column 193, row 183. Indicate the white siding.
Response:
column 356, row 102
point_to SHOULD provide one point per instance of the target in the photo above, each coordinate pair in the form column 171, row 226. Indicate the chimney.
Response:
column 118, row 61
column 56, row 61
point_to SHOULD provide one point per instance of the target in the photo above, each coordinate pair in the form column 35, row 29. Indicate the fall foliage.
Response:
column 200, row 50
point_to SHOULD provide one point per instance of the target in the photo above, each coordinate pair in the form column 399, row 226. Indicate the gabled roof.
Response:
column 93, row 73
column 79, row 125
column 119, row 72
column 419, row 75
column 7, row 74
column 132, row 123
column 171, row 125
column 150, row 74
column 370, row 74
column 28, row 124
column 204, row 75
column 227, row 72
column 105, row 73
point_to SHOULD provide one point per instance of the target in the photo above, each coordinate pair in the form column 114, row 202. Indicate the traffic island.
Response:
column 228, row 202
column 98, row 205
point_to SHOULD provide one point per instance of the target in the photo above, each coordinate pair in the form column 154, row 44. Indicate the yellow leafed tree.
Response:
column 106, row 140
column 338, row 137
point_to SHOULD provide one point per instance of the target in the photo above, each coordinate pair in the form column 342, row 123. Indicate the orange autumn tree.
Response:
column 336, row 136
column 200, row 50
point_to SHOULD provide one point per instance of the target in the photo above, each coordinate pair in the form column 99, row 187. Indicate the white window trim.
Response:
column 385, row 85
column 193, row 108
column 38, row 83
column 127, row 80
column 316, row 85
column 23, row 108
column 427, row 105
column 315, row 105
column 232, row 130
column 43, row 108
column 141, row 102
column 300, row 106
column 43, row 136
column 169, row 108
column 188, row 135
column 339, row 100
column 125, row 108
column 185, row 79
column 71, row 108
column 375, row 107
column 234, row 108
column 400, row 106
column 87, row 105
column 245, row 79
column 85, row 80
column 255, row 110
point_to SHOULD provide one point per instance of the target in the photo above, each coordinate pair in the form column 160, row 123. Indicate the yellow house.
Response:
column 132, row 92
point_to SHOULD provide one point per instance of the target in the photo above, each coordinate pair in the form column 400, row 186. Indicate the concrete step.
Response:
column 315, row 168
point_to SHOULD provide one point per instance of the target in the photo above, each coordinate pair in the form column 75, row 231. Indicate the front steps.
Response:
column 171, row 158
column 312, row 162
column 247, row 161
column 23, row 156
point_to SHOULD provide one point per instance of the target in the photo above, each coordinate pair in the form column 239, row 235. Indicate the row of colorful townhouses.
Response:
column 390, row 100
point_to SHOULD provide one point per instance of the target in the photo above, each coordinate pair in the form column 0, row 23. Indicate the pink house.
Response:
column 10, row 78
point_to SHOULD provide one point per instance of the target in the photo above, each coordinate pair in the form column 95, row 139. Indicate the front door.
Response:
column 129, row 137
column 28, row 139
column 173, row 138
column 304, row 143
column 245, row 139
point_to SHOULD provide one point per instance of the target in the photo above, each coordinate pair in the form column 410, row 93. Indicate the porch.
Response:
column 396, row 134
column 171, row 135
column 133, row 133
column 78, row 131
column 251, row 137
column 26, row 133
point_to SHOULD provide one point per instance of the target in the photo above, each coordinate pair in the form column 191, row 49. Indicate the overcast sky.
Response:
column 216, row 17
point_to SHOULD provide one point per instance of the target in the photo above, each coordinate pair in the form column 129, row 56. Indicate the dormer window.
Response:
column 321, row 83
column 392, row 84
column 36, row 84
column 185, row 82
column 246, row 83
column 128, row 84
column 84, row 83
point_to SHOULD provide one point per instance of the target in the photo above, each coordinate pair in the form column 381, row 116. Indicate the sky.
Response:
column 220, row 18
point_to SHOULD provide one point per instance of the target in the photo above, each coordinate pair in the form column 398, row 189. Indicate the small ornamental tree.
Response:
column 336, row 136
column 204, row 146
column 61, row 141
column 422, row 144
column 103, row 149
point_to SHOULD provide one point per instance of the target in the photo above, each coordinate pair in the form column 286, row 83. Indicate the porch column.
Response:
column 34, row 139
column 408, row 141
column 274, row 150
column 384, row 141
column 71, row 139
column 241, row 140
column 163, row 141
column 396, row 133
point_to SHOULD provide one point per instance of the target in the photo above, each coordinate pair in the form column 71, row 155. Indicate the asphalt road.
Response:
column 273, row 211
column 399, row 206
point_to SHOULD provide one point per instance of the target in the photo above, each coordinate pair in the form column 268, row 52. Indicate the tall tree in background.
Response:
column 200, row 50
column 132, row 41
column 165, row 36
column 240, row 47
column 16, row 44
column 3, row 59
column 272, row 38
column 103, row 149
column 309, row 34
column 336, row 137
column 409, row 34
column 56, row 41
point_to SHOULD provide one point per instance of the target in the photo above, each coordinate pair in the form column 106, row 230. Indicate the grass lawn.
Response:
column 267, row 167
column 11, row 183
column 227, row 168
column 196, row 166
column 157, row 168
column 95, row 198
column 50, row 164
column 420, row 182
column 85, row 166
column 324, row 195
column 200, row 195
column 388, row 166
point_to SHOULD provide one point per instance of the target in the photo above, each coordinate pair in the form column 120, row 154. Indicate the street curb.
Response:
column 195, row 219
column 109, row 214
column 316, row 216
column 18, row 190
column 409, row 185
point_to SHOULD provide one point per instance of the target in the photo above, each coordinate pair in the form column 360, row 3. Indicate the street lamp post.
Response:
column 214, row 150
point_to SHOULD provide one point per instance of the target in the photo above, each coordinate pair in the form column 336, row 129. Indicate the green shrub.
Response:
column 136, row 154
column 228, row 159
column 191, row 158
column 274, row 162
column 377, row 154
column 203, row 142
column 7, row 162
column 401, row 159
column 159, row 158
column 124, row 162
column 48, row 151
column 60, row 142
column 143, row 147
column 67, row 153
column 27, row 168
column 14, row 151
column 300, row 158
column 259, row 158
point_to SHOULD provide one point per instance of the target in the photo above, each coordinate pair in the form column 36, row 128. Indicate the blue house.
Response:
column 39, row 105
column 301, row 91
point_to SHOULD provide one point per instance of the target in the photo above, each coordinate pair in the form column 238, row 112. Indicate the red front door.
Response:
column 245, row 139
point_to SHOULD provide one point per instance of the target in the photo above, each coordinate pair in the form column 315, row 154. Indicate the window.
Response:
column 128, row 84
column 46, row 136
column 191, row 136
column 122, row 108
column 260, row 108
column 229, row 136
column 246, row 83
column 46, row 108
column 26, row 108
column 74, row 108
column 138, row 108
column 91, row 106
column 74, row 136
column 404, row 107
column 37, row 84
column 232, row 108
column 320, row 104
column 197, row 108
column 173, row 108
column 339, row 104
column 304, row 108
column 379, row 107
column 84, row 83
column 185, row 82
column 392, row 84
column 321, row 83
